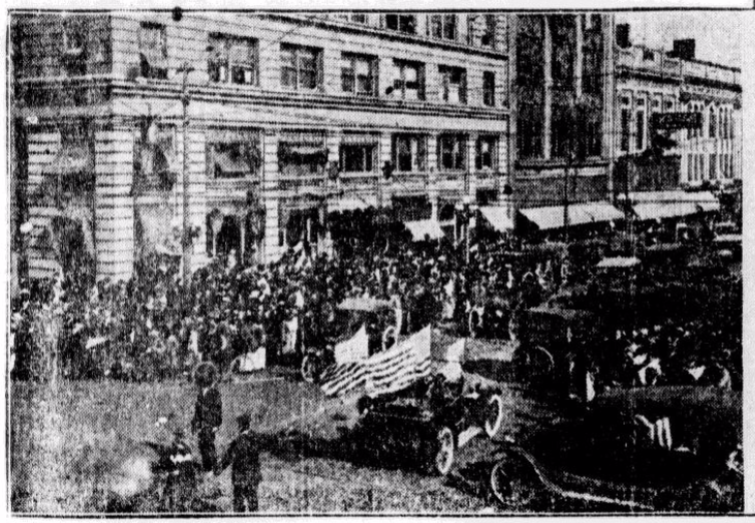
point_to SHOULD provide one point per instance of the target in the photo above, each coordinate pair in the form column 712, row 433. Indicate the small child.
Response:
column 244, row 457
column 181, row 484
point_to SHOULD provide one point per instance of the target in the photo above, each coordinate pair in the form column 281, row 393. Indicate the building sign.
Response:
column 676, row 121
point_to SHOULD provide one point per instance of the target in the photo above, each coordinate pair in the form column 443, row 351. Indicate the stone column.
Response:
column 271, row 248
column 114, row 204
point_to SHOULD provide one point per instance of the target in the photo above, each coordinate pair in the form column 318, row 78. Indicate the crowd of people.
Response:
column 153, row 327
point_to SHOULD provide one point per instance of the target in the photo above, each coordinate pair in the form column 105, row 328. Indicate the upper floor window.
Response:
column 408, row 81
column 485, row 153
column 232, row 154
column 488, row 88
column 668, row 106
column 357, row 158
column 488, row 31
column 358, row 74
column 402, row 23
column 300, row 67
column 409, row 152
column 640, row 136
column 454, row 84
column 357, row 18
column 155, row 155
column 452, row 149
column 712, row 124
column 153, row 51
column 233, row 60
column 74, row 47
column 564, row 51
column 442, row 26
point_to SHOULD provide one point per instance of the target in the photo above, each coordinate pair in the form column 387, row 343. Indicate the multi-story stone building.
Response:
column 563, row 91
column 289, row 117
column 653, row 81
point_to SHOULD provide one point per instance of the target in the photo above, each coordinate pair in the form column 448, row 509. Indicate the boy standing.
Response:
column 244, row 457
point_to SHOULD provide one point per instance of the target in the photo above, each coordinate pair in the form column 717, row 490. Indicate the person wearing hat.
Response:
column 208, row 414
column 244, row 458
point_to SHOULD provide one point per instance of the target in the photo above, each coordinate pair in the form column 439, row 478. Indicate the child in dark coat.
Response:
column 208, row 416
column 244, row 457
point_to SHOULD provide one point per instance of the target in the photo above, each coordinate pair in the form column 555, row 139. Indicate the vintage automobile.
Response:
column 379, row 318
column 641, row 449
column 429, row 421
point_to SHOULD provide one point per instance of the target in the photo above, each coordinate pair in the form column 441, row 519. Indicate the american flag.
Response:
column 386, row 372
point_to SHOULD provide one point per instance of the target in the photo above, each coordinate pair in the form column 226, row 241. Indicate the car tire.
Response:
column 511, row 483
column 493, row 415
column 309, row 370
column 443, row 453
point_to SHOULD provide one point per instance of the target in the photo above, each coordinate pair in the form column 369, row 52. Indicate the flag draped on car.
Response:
column 385, row 372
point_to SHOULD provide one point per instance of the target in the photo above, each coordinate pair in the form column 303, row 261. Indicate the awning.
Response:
column 581, row 213
column 352, row 204
column 365, row 304
column 498, row 218
column 618, row 262
column 659, row 210
column 425, row 228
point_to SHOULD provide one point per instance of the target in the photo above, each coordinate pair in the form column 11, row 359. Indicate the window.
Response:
column 640, row 138
column 409, row 153
column 153, row 51
column 154, row 151
column 454, row 81
column 689, row 167
column 442, row 26
column 357, row 158
column 648, row 55
column 668, row 106
column 721, row 123
column 488, row 31
column 408, row 82
column 233, row 154
column 488, row 88
column 452, row 152
column 300, row 67
column 626, row 121
column 564, row 41
column 713, row 166
column 592, row 55
column 712, row 125
column 402, row 23
column 358, row 74
column 529, row 84
column 74, row 47
column 485, row 153
column 357, row 18
column 232, row 60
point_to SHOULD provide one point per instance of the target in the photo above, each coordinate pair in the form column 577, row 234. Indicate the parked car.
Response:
column 643, row 449
column 428, row 421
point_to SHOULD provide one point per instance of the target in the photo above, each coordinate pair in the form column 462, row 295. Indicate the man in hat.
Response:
column 244, row 457
column 208, row 415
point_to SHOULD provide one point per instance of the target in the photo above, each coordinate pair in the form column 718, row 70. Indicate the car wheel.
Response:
column 445, row 451
column 512, row 484
column 493, row 415
column 309, row 368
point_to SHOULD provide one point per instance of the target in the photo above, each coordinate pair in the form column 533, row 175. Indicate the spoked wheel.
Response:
column 445, row 451
column 512, row 483
column 493, row 415
column 309, row 368
column 534, row 363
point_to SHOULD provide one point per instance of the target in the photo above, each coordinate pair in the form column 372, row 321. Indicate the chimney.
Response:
column 684, row 49
column 622, row 36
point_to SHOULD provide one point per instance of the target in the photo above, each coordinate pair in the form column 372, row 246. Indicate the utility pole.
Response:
column 186, row 236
